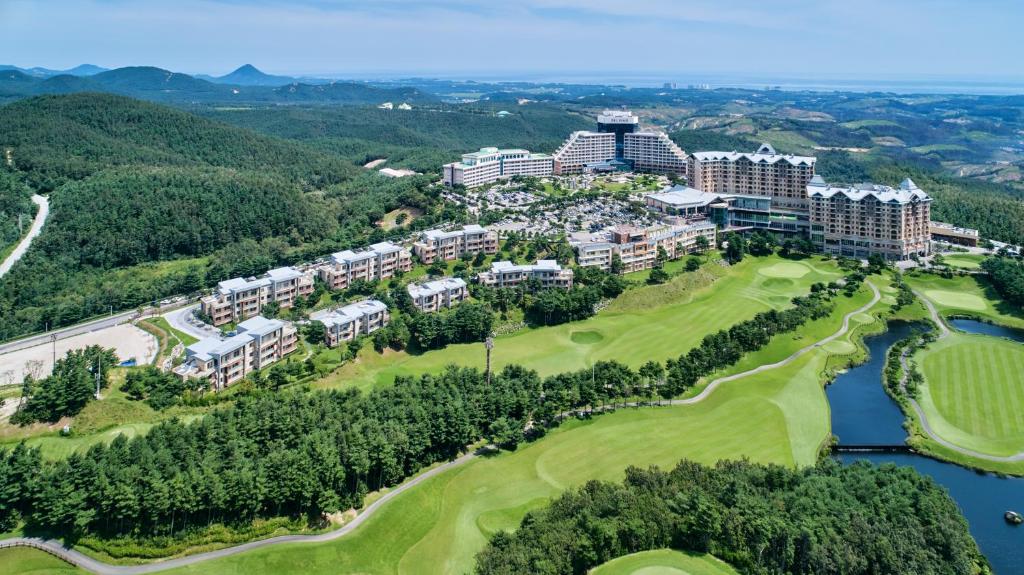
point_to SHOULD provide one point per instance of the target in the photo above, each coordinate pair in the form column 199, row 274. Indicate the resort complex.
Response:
column 492, row 164
column 351, row 321
column 545, row 273
column 449, row 245
column 638, row 248
column 377, row 262
column 239, row 298
column 258, row 343
column 437, row 294
column 783, row 178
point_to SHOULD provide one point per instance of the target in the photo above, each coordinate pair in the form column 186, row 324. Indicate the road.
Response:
column 33, row 232
column 179, row 320
column 88, row 563
column 925, row 425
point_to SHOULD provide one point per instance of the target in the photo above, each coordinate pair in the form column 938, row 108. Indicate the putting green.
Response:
column 646, row 323
column 974, row 392
column 964, row 261
column 785, row 269
column 664, row 562
column 958, row 300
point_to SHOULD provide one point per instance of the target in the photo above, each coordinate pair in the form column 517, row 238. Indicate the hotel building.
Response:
column 582, row 149
column 637, row 248
column 492, row 164
column 239, row 298
column 438, row 244
column 258, row 343
column 438, row 294
column 351, row 321
column 762, row 173
column 654, row 152
column 620, row 123
column 870, row 219
column 507, row 274
column 617, row 143
column 377, row 262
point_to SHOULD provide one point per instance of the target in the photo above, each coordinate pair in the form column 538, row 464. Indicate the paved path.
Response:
column 179, row 321
column 925, row 425
column 35, row 230
column 88, row 563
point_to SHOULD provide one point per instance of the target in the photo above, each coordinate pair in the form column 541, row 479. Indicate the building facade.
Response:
column 584, row 148
column 258, row 343
column 449, row 245
column 784, row 178
column 439, row 294
column 654, row 152
column 492, row 164
column 239, row 298
column 949, row 233
column 731, row 212
column 637, row 248
column 507, row 274
column 620, row 123
column 351, row 321
column 377, row 262
column 869, row 219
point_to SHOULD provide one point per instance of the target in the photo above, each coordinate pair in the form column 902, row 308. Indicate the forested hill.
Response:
column 168, row 193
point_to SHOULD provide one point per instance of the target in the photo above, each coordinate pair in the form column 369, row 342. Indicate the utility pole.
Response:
column 53, row 340
column 489, row 345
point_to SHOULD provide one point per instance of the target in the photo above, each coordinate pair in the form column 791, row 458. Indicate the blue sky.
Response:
column 894, row 39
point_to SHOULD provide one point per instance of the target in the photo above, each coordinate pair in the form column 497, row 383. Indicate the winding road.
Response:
column 33, row 232
column 79, row 559
column 925, row 425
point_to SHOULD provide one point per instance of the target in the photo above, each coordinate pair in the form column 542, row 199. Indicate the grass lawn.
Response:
column 665, row 562
column 964, row 261
column 974, row 392
column 651, row 322
column 23, row 561
column 162, row 323
column 968, row 296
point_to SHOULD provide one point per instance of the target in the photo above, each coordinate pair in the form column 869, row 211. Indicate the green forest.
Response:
column 14, row 203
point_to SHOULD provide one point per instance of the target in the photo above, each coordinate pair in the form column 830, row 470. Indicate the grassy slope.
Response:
column 23, row 561
column 664, row 562
column 654, row 322
column 966, row 296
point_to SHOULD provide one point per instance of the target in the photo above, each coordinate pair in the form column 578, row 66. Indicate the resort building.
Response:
column 582, row 149
column 450, row 245
column 438, row 294
column 654, row 152
column 507, row 274
column 351, row 321
column 637, row 248
column 492, row 164
column 239, row 298
column 949, row 233
column 784, row 178
column 258, row 343
column 377, row 262
column 868, row 219
column 620, row 123
column 617, row 144
column 731, row 212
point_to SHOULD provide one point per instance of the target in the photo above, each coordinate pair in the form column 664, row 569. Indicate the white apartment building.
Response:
column 450, row 245
column 868, row 219
column 259, row 342
column 351, row 321
column 438, row 294
column 377, row 262
column 637, row 248
column 654, row 152
column 582, row 148
column 508, row 274
column 763, row 173
column 239, row 298
column 491, row 164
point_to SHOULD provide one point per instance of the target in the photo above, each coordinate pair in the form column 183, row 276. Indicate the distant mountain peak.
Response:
column 249, row 75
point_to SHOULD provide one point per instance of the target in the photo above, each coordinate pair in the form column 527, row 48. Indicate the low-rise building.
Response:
column 449, row 245
column 546, row 272
column 492, row 164
column 377, row 262
column 239, row 298
column 867, row 219
column 637, row 248
column 437, row 294
column 258, row 343
column 949, row 233
column 351, row 321
column 734, row 212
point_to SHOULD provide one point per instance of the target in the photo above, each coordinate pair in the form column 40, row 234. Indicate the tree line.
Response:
column 1007, row 276
column 75, row 380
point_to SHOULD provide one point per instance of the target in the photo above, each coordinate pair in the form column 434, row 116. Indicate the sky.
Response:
column 509, row 39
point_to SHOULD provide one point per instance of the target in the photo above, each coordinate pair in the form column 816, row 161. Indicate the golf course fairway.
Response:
column 664, row 562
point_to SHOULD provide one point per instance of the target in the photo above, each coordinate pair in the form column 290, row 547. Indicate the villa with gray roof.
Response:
column 492, row 164
column 438, row 294
column 449, row 245
column 377, row 262
column 507, row 274
column 351, row 321
column 258, row 343
column 866, row 219
column 784, row 178
column 637, row 248
column 239, row 298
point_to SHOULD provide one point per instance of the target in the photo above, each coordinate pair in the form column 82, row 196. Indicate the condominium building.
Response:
column 868, row 219
column 491, row 164
column 449, row 245
column 377, row 262
column 763, row 173
column 438, row 294
column 507, row 274
column 654, row 152
column 258, row 343
column 351, row 321
column 582, row 149
column 637, row 248
column 239, row 298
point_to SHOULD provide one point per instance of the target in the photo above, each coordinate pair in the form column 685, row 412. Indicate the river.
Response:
column 863, row 414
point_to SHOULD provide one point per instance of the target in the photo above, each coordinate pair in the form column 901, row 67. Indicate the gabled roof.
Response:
column 765, row 154
column 907, row 192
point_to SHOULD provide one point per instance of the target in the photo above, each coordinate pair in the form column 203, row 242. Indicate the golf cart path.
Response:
column 33, row 232
column 83, row 561
column 925, row 425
